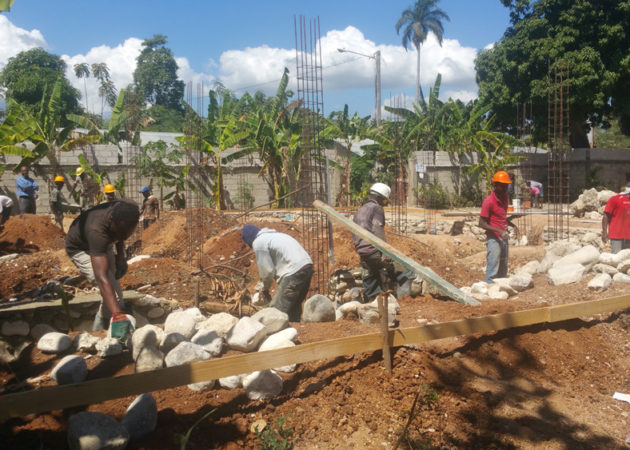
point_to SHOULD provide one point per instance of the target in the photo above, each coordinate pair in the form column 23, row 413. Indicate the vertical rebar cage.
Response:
column 311, row 179
column 400, row 185
column 558, row 180
column 524, row 121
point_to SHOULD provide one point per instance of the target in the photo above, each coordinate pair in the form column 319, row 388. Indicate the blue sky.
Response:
column 246, row 44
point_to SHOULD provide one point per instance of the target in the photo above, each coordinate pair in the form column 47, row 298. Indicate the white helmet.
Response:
column 381, row 189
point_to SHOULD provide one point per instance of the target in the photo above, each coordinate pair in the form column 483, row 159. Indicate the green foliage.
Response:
column 591, row 36
column 165, row 119
column 611, row 136
column 426, row 400
column 182, row 439
column 277, row 437
column 245, row 196
column 156, row 74
column 29, row 74
column 433, row 196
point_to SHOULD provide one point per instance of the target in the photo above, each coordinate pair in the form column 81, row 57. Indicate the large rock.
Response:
column 604, row 196
column 288, row 334
column 529, row 269
column 70, row 369
column 392, row 304
column 495, row 292
column 209, row 340
column 221, row 323
column 318, row 308
column 149, row 358
column 108, row 346
column 555, row 251
column 186, row 353
column 624, row 266
column 604, row 268
column 146, row 336
column 202, row 385
column 600, row 282
column 54, row 342
column 182, row 322
column 621, row 278
column 262, row 384
column 587, row 256
column 521, row 282
column 85, row 342
column 141, row 416
column 246, row 335
column 565, row 274
column 503, row 285
column 273, row 319
column 348, row 311
column 232, row 382
column 94, row 431
column 481, row 287
column 272, row 343
column 368, row 314
column 15, row 328
column 170, row 341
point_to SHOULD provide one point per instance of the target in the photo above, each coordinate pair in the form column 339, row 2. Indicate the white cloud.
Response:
column 14, row 40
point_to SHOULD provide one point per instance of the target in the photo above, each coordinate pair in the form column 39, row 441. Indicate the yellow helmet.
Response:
column 109, row 189
column 59, row 179
column 80, row 170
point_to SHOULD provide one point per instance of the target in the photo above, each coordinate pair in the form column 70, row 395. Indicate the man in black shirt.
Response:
column 89, row 244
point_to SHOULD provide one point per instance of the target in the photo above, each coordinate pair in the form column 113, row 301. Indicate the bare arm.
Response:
column 484, row 224
column 605, row 222
column 101, row 267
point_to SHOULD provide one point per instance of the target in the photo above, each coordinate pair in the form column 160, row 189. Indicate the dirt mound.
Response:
column 27, row 233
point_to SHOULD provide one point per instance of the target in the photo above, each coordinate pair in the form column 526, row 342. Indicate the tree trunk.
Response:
column 418, row 74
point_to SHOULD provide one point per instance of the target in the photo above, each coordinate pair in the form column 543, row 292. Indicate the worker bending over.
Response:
column 282, row 258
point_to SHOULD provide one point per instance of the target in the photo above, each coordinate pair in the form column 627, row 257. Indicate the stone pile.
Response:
column 590, row 204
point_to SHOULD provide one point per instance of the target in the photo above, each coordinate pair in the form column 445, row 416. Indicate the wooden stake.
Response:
column 384, row 313
column 197, row 293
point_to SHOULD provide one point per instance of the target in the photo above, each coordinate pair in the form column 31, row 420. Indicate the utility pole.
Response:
column 377, row 59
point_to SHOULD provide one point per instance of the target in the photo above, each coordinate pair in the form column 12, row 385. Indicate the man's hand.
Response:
column 121, row 267
column 505, row 235
column 121, row 327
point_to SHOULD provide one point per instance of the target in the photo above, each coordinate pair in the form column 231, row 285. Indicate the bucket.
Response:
column 527, row 204
column 510, row 208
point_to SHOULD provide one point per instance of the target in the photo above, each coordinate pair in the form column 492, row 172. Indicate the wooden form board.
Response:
column 427, row 274
column 95, row 391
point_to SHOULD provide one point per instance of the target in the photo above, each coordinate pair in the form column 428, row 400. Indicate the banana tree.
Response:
column 43, row 129
column 494, row 151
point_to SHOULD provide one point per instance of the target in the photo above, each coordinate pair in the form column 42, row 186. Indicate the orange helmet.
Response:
column 59, row 179
column 109, row 189
column 501, row 177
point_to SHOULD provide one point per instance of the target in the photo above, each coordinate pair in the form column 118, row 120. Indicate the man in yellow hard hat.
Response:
column 57, row 201
column 494, row 220
column 85, row 187
column 110, row 192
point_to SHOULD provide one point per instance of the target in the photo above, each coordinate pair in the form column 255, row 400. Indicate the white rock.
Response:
column 221, row 323
column 521, row 282
column 288, row 334
column 40, row 329
column 318, row 308
column 600, row 282
column 587, row 256
column 155, row 312
column 85, row 342
column 262, row 384
column 604, row 268
column 137, row 258
column 15, row 328
column 604, row 195
column 181, row 322
column 186, row 353
column 467, row 290
column 209, row 340
column 70, row 369
column 202, row 385
column 246, row 335
column 259, row 300
column 147, row 300
column 624, row 266
column 621, row 278
column 89, row 430
column 608, row 258
column 54, row 342
column 108, row 347
column 149, row 358
column 530, row 268
column 348, row 310
column 565, row 274
column 504, row 285
column 554, row 251
column 148, row 335
column 141, row 416
column 368, row 314
column 481, row 287
column 232, row 382
column 495, row 292
column 275, row 344
column 621, row 256
column 170, row 341
column 391, row 303
column 273, row 319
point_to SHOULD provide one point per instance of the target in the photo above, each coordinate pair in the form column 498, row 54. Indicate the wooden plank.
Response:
column 395, row 254
column 95, row 391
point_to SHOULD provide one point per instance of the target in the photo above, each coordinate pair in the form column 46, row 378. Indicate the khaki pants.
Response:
column 84, row 264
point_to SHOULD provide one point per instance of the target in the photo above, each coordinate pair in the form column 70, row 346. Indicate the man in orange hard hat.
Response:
column 494, row 220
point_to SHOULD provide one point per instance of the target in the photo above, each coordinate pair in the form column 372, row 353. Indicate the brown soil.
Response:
column 543, row 387
column 28, row 233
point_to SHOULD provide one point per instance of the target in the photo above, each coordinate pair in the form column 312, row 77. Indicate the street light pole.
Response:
column 377, row 59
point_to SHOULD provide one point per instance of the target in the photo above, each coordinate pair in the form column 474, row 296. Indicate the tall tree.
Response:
column 82, row 70
column 593, row 37
column 27, row 75
column 156, row 74
column 106, row 90
column 417, row 22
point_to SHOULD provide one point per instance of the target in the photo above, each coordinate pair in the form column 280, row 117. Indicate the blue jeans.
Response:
column 616, row 245
column 497, row 258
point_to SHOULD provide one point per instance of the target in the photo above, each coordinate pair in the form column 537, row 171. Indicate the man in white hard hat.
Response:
column 371, row 216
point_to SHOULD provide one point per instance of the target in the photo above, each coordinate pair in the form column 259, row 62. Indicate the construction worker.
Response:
column 85, row 187
column 282, row 258
column 90, row 245
column 150, row 207
column 57, row 201
column 6, row 208
column 26, row 190
column 494, row 220
column 379, row 269
column 616, row 221
column 110, row 192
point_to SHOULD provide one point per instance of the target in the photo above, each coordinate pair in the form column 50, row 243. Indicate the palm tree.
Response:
column 83, row 71
column 418, row 21
column 107, row 90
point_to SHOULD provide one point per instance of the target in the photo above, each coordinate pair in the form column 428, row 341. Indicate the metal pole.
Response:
column 377, row 58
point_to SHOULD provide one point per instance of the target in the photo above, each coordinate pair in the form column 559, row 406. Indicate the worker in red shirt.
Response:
column 616, row 221
column 494, row 220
